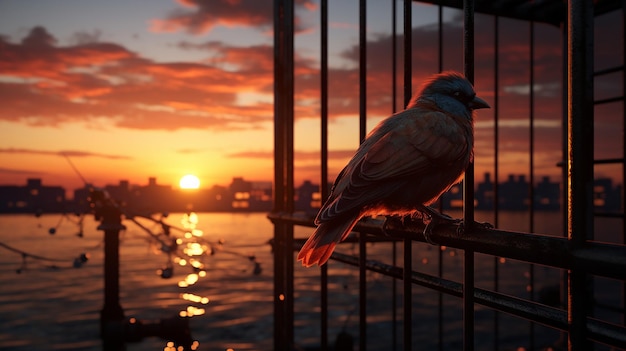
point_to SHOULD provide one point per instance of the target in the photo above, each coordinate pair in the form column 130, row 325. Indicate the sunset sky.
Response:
column 163, row 88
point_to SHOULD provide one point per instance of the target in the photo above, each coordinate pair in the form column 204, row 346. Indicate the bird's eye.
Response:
column 464, row 98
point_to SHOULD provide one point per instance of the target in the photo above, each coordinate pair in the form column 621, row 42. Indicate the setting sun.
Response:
column 189, row 181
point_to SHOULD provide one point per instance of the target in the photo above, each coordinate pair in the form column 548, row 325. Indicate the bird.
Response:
column 403, row 165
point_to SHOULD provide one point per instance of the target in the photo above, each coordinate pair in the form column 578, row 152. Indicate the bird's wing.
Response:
column 416, row 145
column 434, row 139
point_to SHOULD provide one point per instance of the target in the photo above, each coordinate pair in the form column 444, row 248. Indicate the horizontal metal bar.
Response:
column 600, row 331
column 608, row 161
column 608, row 70
column 609, row 214
column 607, row 260
column 609, row 100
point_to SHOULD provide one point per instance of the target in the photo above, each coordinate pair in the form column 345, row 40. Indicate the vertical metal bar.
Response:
column 531, row 166
column 564, row 168
column 468, row 189
column 362, row 69
column 407, row 294
column 623, row 145
column 440, row 314
column 324, row 306
column 440, row 38
column 394, row 95
column 112, row 312
column 408, row 244
column 496, row 171
column 324, row 159
column 408, row 52
column 580, row 161
column 362, row 132
column 362, row 292
column 283, row 172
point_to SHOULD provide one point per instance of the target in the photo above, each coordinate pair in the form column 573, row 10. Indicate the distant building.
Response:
column 606, row 196
column 32, row 198
column 250, row 196
column 485, row 194
column 547, row 195
column 513, row 194
column 308, row 197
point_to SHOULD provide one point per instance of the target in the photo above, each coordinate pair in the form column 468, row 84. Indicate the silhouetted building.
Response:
column 485, row 193
column 32, row 198
column 250, row 196
column 120, row 193
column 308, row 197
column 151, row 198
column 547, row 195
column 218, row 198
column 606, row 197
column 513, row 194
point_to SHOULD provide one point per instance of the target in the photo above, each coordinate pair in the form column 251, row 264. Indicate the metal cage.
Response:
column 587, row 269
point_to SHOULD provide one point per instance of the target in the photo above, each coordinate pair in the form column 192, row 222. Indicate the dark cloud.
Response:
column 39, row 37
column 201, row 16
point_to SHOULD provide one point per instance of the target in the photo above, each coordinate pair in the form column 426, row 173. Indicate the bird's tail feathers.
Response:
column 322, row 243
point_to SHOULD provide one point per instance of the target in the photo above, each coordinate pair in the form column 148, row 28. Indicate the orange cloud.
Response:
column 48, row 85
column 201, row 16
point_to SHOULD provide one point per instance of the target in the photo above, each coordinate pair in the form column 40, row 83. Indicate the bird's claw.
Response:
column 434, row 218
column 460, row 230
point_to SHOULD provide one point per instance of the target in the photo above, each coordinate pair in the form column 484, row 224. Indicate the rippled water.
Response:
column 45, row 308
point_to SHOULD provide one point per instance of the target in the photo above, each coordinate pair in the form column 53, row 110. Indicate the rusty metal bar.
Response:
column 579, row 162
column 283, row 172
column 407, row 287
column 496, row 170
column 623, row 68
column 362, row 133
column 468, row 188
column 394, row 96
column 600, row 259
column 324, row 160
column 440, row 261
column 531, row 169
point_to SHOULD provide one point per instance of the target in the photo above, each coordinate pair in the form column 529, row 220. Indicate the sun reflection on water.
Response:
column 192, row 311
column 195, row 298
column 171, row 347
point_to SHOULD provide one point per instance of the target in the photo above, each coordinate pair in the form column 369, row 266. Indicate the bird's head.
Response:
column 451, row 92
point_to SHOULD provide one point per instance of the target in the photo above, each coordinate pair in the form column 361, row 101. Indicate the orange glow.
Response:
column 189, row 181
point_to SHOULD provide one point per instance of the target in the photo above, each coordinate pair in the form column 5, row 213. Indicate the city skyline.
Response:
column 204, row 186
column 246, row 195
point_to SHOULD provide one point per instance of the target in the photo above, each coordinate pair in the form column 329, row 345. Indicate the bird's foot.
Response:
column 387, row 223
column 433, row 219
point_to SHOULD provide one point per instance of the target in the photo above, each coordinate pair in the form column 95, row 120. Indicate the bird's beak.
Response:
column 477, row 103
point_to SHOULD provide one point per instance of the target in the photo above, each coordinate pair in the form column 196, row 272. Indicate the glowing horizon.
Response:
column 171, row 89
